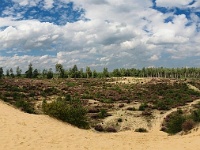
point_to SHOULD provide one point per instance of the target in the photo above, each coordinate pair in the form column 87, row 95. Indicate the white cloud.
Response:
column 48, row 4
column 154, row 58
column 118, row 34
column 173, row 3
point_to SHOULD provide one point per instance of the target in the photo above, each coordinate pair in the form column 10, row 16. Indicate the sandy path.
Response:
column 21, row 131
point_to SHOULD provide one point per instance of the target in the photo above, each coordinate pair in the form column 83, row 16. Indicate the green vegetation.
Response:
column 141, row 130
column 143, row 106
column 25, row 106
column 75, row 72
column 101, row 94
column 174, row 123
column 102, row 113
column 180, row 121
column 73, row 112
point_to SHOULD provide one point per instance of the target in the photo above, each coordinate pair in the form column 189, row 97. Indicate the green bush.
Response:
column 143, row 106
column 25, row 106
column 71, row 84
column 195, row 115
column 162, row 106
column 106, row 100
column 73, row 112
column 102, row 113
column 119, row 120
column 174, row 125
column 188, row 125
column 141, row 130
column 68, row 97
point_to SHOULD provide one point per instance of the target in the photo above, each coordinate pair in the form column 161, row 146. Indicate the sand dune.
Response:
column 21, row 131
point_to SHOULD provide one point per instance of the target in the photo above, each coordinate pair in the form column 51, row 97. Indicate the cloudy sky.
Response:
column 99, row 33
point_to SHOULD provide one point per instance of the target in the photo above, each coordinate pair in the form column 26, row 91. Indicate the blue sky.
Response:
column 106, row 33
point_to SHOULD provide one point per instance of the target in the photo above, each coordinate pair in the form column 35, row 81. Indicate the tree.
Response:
column 1, row 72
column 60, row 70
column 50, row 74
column 88, row 72
column 75, row 73
column 105, row 72
column 35, row 73
column 116, row 73
column 29, row 72
column 82, row 74
column 18, row 72
column 7, row 72
column 44, row 73
column 94, row 74
column 11, row 73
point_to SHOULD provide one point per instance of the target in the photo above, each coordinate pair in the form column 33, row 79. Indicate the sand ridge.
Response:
column 22, row 131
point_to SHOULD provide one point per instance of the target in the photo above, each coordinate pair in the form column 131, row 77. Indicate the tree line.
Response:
column 75, row 72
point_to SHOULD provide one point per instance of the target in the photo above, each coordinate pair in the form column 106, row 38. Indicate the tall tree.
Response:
column 105, row 72
column 44, row 73
column 35, row 73
column 29, row 72
column 1, row 72
column 50, row 74
column 7, row 72
column 88, row 72
column 75, row 72
column 18, row 72
column 11, row 73
column 60, row 70
column 94, row 74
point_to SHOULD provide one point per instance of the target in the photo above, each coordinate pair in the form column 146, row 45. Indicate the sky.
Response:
column 99, row 33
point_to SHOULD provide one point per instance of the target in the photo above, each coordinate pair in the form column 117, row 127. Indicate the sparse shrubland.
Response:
column 181, row 121
column 72, row 112
column 99, row 96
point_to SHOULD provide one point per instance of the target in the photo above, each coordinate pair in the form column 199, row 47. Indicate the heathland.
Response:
column 110, row 112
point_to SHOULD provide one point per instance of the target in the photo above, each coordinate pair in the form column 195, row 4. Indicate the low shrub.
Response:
column 131, row 108
column 71, row 84
column 102, row 114
column 174, row 123
column 73, row 112
column 110, row 129
column 141, row 130
column 143, row 106
column 162, row 106
column 99, row 128
column 119, row 120
column 195, row 115
column 188, row 125
column 25, row 106
column 106, row 100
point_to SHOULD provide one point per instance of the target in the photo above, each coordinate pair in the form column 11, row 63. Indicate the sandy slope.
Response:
column 21, row 131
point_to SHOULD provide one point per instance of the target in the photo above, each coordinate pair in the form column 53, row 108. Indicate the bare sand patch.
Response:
column 21, row 131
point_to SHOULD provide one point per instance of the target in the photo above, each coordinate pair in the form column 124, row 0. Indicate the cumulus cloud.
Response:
column 108, row 33
column 173, row 3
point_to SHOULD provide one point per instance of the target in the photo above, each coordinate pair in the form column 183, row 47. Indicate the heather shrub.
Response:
column 25, row 106
column 73, row 112
column 174, row 123
column 188, row 125
column 110, row 129
column 195, row 115
column 143, row 106
column 102, row 113
column 119, row 120
column 99, row 128
column 141, row 130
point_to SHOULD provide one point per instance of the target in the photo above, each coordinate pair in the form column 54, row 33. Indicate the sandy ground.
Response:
column 21, row 131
